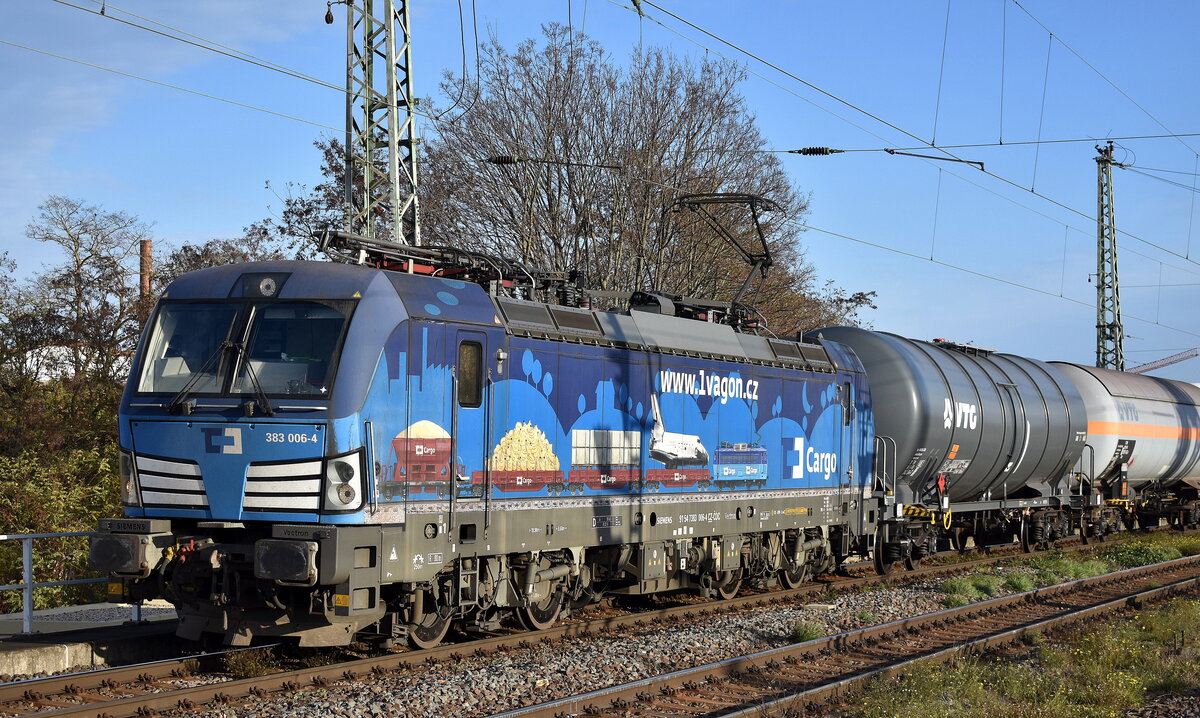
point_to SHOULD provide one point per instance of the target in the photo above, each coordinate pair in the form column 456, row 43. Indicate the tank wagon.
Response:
column 977, row 445
column 1144, row 443
column 323, row 451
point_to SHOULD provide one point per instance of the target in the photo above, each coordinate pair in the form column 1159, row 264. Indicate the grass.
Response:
column 1055, row 567
column 1102, row 672
column 1019, row 582
column 251, row 663
column 806, row 631
column 960, row 586
column 865, row 616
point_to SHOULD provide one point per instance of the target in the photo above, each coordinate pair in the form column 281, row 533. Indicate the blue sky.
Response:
column 197, row 167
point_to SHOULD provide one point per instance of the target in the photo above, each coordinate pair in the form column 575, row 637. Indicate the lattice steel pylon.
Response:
column 381, row 131
column 1110, row 334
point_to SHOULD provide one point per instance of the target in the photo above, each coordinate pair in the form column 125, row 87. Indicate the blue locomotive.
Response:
column 334, row 451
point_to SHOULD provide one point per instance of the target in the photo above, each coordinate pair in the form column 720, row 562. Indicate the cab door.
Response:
column 851, row 498
column 471, row 431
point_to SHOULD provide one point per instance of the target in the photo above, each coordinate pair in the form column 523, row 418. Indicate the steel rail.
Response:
column 59, row 692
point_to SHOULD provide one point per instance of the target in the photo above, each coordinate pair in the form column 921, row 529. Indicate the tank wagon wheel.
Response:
column 884, row 562
column 429, row 627
column 728, row 584
column 543, row 614
column 1025, row 534
column 918, row 549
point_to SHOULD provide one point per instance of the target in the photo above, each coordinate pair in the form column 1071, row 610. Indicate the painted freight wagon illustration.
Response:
column 421, row 462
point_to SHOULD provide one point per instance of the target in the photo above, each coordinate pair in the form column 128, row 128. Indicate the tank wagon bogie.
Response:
column 324, row 451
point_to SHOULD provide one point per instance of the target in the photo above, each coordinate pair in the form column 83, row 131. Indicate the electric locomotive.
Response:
column 325, row 451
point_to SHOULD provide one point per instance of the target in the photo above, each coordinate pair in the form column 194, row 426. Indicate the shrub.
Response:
column 1139, row 553
column 43, row 491
column 986, row 585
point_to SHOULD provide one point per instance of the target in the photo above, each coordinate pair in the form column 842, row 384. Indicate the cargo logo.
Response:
column 223, row 441
column 809, row 461
column 960, row 415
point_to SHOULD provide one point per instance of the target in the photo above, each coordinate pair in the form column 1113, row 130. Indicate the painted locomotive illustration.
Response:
column 332, row 452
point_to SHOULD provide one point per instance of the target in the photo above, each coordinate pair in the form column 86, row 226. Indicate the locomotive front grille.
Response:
column 170, row 484
column 292, row 486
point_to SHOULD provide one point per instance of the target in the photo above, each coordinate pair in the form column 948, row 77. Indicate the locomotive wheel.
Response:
column 793, row 575
column 883, row 565
column 729, row 585
column 543, row 614
column 429, row 628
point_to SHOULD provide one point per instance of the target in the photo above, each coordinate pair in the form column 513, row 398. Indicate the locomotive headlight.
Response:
column 129, row 494
column 344, row 482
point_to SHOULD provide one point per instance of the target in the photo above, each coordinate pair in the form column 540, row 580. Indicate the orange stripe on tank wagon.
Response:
column 1149, row 431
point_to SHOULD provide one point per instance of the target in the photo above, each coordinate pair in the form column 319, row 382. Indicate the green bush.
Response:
column 251, row 663
column 955, row 600
column 47, row 492
column 987, row 584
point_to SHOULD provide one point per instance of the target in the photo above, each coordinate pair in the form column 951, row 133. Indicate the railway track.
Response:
column 171, row 684
column 800, row 677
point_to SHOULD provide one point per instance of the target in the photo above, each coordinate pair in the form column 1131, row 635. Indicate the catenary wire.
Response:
column 169, row 85
column 927, row 145
column 215, row 47
column 1102, row 76
column 517, row 143
column 1001, row 178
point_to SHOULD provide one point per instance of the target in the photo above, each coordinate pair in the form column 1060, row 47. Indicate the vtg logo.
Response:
column 223, row 441
column 960, row 415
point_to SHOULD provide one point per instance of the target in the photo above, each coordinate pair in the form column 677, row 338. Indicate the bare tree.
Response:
column 672, row 126
column 90, row 301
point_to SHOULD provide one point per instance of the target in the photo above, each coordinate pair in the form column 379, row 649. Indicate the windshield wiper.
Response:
column 264, row 403
column 180, row 400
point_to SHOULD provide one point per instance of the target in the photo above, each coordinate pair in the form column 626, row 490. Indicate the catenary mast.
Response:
column 1110, row 335
column 381, row 132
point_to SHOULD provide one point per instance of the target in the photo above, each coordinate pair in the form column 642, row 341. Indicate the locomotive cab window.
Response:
column 186, row 347
column 470, row 374
column 291, row 348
